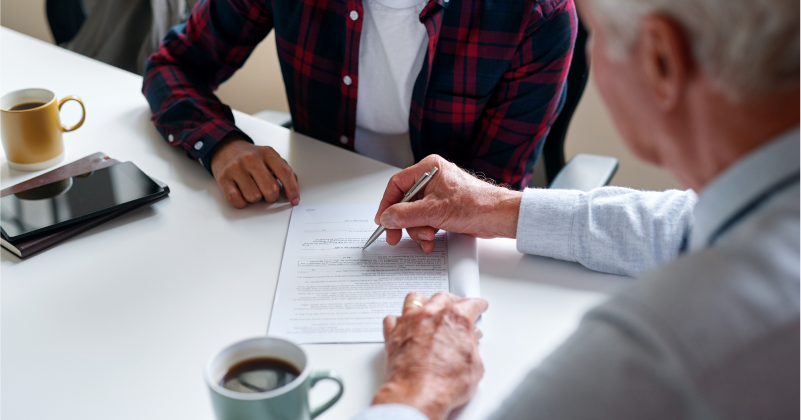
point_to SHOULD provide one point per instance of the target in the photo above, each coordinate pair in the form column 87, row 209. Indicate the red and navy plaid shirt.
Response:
column 489, row 90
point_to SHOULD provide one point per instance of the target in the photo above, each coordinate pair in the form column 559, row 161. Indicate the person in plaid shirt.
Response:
column 477, row 82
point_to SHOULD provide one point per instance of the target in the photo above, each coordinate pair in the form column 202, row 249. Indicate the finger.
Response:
column 410, row 307
column 232, row 194
column 281, row 169
column 427, row 246
column 416, row 296
column 402, row 182
column 390, row 321
column 410, row 214
column 265, row 181
column 425, row 233
column 440, row 301
column 477, row 333
column 393, row 236
column 472, row 307
column 248, row 187
column 413, row 297
column 424, row 237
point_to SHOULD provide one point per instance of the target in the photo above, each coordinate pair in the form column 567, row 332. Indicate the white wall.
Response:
column 258, row 85
column 26, row 16
column 592, row 131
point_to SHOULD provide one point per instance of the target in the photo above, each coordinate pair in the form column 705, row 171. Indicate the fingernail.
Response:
column 423, row 237
column 387, row 221
column 296, row 201
column 419, row 244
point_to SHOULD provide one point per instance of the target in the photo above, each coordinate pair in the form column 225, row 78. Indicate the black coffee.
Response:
column 27, row 105
column 259, row 375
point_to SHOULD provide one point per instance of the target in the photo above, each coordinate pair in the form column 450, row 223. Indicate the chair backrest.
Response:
column 65, row 18
column 552, row 158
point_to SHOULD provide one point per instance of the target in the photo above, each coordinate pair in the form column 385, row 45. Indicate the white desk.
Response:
column 117, row 322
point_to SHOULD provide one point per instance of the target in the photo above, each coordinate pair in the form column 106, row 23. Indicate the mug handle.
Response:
column 326, row 374
column 83, row 109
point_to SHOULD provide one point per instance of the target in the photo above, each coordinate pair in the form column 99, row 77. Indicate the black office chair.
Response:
column 65, row 18
column 584, row 172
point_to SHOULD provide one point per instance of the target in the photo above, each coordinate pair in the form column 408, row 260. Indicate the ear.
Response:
column 666, row 58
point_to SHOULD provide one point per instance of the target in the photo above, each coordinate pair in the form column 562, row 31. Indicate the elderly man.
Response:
column 708, row 89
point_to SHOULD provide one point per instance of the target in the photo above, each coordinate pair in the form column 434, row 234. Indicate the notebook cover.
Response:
column 30, row 246
column 90, row 163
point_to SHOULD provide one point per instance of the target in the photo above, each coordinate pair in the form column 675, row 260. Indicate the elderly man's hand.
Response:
column 453, row 200
column 433, row 363
column 247, row 173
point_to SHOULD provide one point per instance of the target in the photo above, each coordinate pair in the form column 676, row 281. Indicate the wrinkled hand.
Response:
column 433, row 363
column 453, row 200
column 247, row 173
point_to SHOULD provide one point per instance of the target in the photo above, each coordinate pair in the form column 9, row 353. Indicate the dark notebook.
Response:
column 29, row 246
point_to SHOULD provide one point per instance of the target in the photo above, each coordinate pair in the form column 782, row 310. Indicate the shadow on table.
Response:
column 342, row 177
column 191, row 174
column 500, row 258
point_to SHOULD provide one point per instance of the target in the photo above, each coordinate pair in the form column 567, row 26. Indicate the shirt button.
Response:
column 198, row 145
column 354, row 15
column 170, row 138
column 343, row 139
column 347, row 80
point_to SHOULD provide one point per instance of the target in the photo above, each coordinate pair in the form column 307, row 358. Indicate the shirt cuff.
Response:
column 391, row 412
column 200, row 142
column 545, row 222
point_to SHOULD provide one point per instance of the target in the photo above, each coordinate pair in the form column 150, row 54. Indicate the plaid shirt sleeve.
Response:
column 192, row 60
column 528, row 98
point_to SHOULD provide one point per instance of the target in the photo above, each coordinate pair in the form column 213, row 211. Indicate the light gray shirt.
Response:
column 709, row 333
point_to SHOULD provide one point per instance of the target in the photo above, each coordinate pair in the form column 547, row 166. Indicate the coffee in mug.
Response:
column 27, row 105
column 261, row 374
column 264, row 378
column 30, row 128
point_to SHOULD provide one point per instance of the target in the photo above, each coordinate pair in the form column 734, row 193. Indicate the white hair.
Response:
column 748, row 47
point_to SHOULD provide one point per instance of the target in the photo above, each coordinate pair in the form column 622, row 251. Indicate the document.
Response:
column 331, row 291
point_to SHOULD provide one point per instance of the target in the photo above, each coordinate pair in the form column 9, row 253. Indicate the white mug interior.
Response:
column 219, row 364
column 17, row 97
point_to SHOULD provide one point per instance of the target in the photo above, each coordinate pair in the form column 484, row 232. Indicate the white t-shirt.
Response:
column 391, row 53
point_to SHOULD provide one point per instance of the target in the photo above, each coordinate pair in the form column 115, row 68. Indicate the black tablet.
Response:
column 71, row 200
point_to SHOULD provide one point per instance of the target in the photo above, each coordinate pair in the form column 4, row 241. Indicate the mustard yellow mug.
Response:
column 31, row 129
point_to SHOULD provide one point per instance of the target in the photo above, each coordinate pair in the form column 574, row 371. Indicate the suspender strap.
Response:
column 753, row 205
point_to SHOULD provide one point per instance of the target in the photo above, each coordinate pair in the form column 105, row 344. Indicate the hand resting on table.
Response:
column 246, row 173
column 433, row 363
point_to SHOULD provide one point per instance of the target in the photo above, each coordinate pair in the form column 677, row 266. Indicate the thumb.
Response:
column 409, row 214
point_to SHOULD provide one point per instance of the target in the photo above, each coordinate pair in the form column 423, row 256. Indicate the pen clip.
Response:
column 416, row 184
column 420, row 184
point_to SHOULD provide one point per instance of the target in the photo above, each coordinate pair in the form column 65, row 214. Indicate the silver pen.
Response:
column 412, row 192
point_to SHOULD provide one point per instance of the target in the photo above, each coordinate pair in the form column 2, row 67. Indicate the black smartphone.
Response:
column 50, row 206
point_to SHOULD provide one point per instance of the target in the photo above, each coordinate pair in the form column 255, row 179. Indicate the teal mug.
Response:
column 288, row 402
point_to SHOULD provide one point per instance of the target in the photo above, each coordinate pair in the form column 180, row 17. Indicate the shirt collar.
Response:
column 431, row 7
column 400, row 4
column 741, row 183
